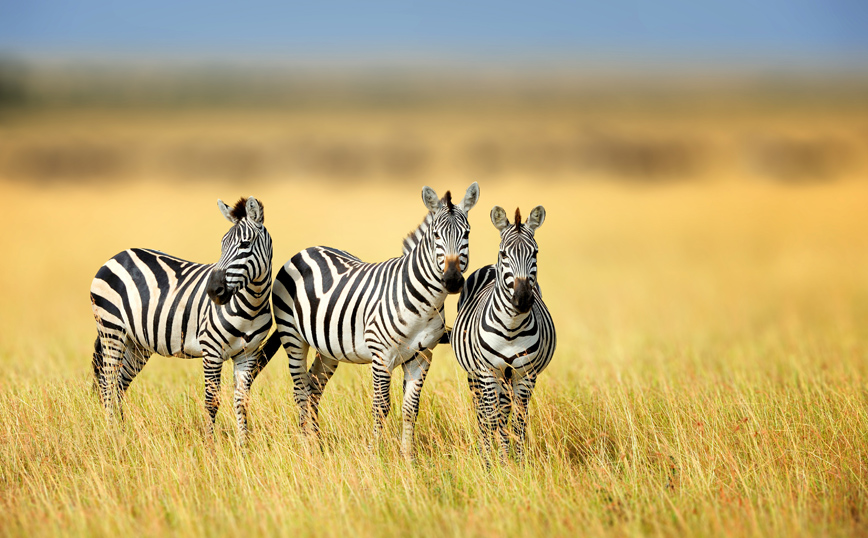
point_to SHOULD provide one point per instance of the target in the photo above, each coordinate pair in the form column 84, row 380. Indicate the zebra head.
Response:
column 449, row 234
column 246, row 250
column 516, row 261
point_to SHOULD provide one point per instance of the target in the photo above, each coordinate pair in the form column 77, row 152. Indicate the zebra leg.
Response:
column 113, row 344
column 320, row 372
column 523, row 390
column 487, row 413
column 504, row 400
column 415, row 371
column 212, row 365
column 135, row 358
column 296, row 351
column 243, row 367
column 97, row 364
column 476, row 391
column 382, row 402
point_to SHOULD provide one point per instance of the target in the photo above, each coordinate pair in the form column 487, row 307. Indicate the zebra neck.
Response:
column 416, row 236
column 253, row 296
column 421, row 268
column 500, row 307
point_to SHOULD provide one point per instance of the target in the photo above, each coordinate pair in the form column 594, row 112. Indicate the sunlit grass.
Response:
column 710, row 377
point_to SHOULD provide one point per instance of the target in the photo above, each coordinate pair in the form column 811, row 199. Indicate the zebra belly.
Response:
column 424, row 334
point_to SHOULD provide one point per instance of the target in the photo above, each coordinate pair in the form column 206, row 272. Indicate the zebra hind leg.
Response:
column 301, row 386
column 112, row 347
column 243, row 370
column 382, row 402
column 212, row 366
column 296, row 352
column 97, row 364
column 135, row 358
column 415, row 371
column 322, row 369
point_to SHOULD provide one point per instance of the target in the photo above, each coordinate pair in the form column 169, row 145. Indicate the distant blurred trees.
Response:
column 560, row 127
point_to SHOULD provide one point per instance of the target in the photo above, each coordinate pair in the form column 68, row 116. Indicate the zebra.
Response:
column 503, row 335
column 145, row 301
column 387, row 314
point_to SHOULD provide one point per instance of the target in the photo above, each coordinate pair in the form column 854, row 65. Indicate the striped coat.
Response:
column 504, row 336
column 145, row 301
column 387, row 314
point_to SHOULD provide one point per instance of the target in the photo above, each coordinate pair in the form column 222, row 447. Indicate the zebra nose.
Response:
column 522, row 298
column 452, row 277
column 217, row 286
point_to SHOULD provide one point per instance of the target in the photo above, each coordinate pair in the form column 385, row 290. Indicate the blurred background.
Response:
column 342, row 92
column 702, row 162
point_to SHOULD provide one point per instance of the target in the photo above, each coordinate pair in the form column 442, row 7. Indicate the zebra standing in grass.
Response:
column 388, row 314
column 145, row 302
column 504, row 335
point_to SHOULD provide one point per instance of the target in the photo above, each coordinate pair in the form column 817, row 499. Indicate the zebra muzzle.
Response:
column 452, row 277
column 217, row 288
column 522, row 299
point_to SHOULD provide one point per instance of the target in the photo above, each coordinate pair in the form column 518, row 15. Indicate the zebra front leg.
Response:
column 243, row 368
column 213, row 367
column 382, row 402
column 486, row 413
column 504, row 407
column 523, row 390
column 415, row 371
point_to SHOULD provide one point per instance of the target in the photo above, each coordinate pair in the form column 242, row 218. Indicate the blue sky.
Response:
column 815, row 30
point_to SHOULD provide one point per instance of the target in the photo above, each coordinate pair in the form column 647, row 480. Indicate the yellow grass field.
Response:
column 711, row 377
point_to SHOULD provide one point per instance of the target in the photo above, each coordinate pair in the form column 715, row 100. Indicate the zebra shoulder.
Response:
column 476, row 282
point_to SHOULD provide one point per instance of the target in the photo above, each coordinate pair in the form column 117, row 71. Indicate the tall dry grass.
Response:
column 710, row 377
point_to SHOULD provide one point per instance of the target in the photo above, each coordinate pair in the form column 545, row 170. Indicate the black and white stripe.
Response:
column 145, row 302
column 388, row 314
column 504, row 335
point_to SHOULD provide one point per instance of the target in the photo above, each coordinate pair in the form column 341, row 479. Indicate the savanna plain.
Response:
column 710, row 376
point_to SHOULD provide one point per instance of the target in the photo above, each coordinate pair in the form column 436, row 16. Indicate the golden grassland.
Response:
column 710, row 377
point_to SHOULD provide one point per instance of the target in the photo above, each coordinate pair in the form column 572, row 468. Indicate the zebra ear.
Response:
column 536, row 218
column 432, row 201
column 499, row 218
column 255, row 211
column 227, row 211
column 470, row 198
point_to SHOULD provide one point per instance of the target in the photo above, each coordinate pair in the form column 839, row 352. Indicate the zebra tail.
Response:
column 97, row 364
column 266, row 353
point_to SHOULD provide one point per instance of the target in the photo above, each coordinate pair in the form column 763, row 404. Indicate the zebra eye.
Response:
column 245, row 244
column 437, row 235
column 503, row 254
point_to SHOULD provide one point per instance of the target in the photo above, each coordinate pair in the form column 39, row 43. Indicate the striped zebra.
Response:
column 503, row 335
column 145, row 302
column 387, row 314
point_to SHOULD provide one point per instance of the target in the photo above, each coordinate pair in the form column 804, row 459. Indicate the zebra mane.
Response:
column 517, row 219
column 240, row 210
column 413, row 238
